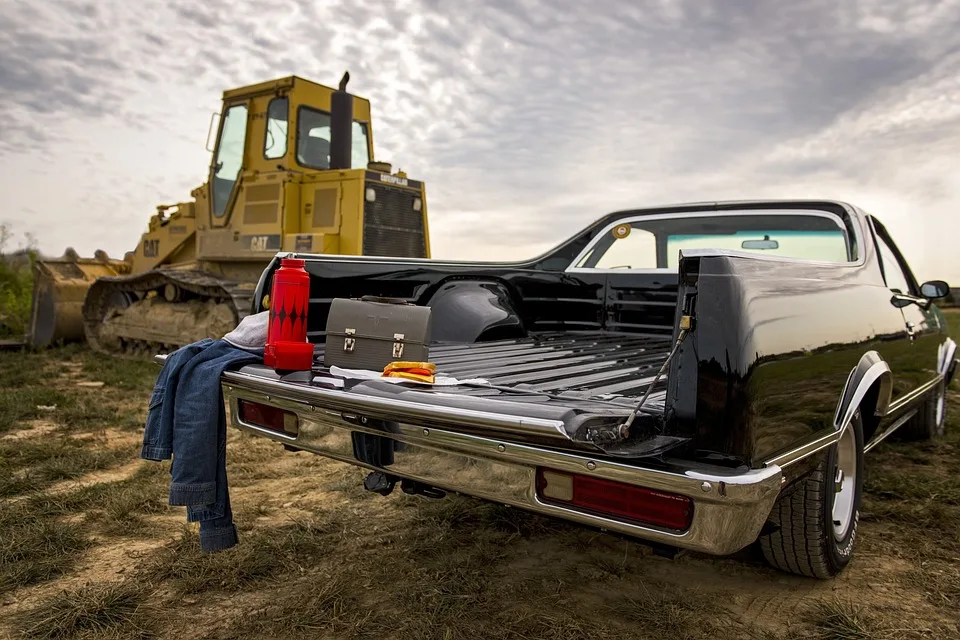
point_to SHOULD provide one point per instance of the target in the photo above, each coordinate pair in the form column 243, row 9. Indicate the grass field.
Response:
column 89, row 549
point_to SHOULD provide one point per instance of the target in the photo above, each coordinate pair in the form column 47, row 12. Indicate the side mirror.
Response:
column 934, row 289
column 900, row 301
column 211, row 130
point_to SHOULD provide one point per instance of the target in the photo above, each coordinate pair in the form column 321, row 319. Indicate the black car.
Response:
column 700, row 376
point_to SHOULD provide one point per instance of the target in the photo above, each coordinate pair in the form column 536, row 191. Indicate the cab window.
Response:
column 275, row 138
column 638, row 250
column 313, row 140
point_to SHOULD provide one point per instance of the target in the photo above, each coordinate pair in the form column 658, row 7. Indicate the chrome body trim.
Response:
column 729, row 508
column 909, row 398
column 880, row 437
column 820, row 441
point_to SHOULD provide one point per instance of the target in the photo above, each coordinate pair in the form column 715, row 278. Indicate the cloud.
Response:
column 527, row 119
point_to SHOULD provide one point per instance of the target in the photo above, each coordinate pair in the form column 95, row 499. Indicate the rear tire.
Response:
column 817, row 521
column 929, row 421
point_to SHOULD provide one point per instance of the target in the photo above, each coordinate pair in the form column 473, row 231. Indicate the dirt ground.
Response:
column 89, row 549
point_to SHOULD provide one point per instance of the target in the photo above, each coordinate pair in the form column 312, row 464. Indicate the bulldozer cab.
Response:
column 278, row 126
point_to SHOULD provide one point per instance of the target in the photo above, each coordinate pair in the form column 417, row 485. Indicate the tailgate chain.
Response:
column 623, row 431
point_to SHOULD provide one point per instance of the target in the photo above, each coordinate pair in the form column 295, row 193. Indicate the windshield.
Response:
column 650, row 244
column 313, row 140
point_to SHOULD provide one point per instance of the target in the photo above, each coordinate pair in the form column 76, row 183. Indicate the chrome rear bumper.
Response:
column 729, row 509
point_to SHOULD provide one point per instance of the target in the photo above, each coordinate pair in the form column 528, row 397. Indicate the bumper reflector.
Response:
column 615, row 499
column 273, row 418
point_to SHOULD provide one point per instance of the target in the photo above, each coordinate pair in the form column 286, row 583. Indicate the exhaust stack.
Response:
column 341, row 126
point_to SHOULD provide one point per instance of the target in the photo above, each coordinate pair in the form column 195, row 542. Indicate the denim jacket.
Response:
column 186, row 420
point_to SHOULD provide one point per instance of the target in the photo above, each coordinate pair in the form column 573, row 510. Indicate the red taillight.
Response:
column 609, row 498
column 273, row 418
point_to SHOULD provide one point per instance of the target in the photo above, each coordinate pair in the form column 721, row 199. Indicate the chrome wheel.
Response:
column 845, row 483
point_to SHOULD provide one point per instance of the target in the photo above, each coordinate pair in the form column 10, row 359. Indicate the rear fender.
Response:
column 474, row 311
column 871, row 369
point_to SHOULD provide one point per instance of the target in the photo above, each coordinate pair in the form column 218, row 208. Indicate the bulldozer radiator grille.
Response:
column 391, row 227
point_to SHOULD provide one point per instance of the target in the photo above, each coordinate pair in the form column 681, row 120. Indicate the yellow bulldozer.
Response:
column 292, row 169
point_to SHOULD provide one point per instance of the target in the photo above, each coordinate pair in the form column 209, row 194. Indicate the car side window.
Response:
column 892, row 271
column 636, row 251
column 631, row 249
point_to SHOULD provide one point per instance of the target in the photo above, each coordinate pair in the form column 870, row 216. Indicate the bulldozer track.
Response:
column 200, row 284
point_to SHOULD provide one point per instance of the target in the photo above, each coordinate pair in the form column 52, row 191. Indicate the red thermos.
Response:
column 287, row 348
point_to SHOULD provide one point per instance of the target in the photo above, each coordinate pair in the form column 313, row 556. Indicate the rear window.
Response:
column 644, row 243
column 825, row 246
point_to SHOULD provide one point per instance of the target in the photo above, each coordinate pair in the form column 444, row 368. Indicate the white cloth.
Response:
column 251, row 333
column 364, row 374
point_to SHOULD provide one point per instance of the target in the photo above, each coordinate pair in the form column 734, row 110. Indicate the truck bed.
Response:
column 588, row 365
column 572, row 370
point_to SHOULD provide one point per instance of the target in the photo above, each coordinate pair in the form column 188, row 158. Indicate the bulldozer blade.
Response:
column 59, row 288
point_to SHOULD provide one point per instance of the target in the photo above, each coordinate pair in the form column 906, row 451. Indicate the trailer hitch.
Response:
column 414, row 488
column 384, row 483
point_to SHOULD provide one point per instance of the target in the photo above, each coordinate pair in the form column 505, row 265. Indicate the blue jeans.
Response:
column 158, row 434
column 187, row 420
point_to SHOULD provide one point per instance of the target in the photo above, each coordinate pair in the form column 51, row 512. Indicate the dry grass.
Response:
column 29, row 465
column 423, row 606
column 35, row 387
column 512, row 625
column 121, row 508
column 35, row 549
column 37, row 544
column 304, row 609
column 19, row 405
column 263, row 554
column 141, row 493
column 669, row 612
column 846, row 619
column 939, row 580
column 121, row 374
column 914, row 485
column 838, row 620
column 101, row 611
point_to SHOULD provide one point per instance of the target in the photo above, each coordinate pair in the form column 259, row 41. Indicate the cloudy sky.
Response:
column 527, row 119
